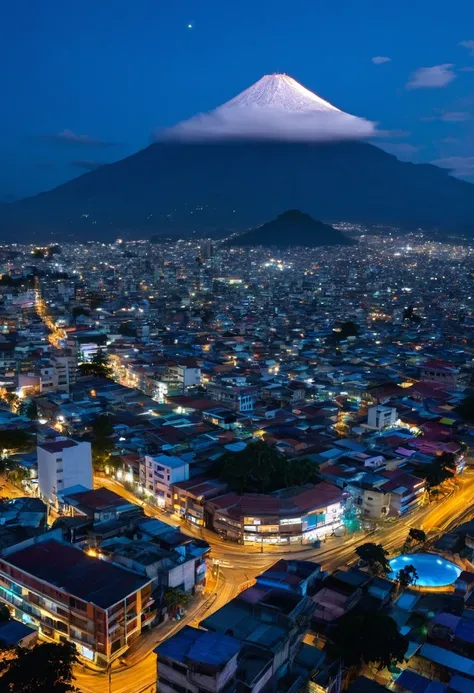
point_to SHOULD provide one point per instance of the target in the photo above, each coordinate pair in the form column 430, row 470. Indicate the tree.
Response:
column 97, row 366
column 175, row 598
column 46, row 667
column 102, row 444
column 410, row 315
column 375, row 556
column 407, row 576
column 12, row 400
column 16, row 474
column 466, row 409
column 15, row 440
column 126, row 329
column 79, row 310
column 28, row 408
column 261, row 469
column 416, row 535
column 368, row 637
column 5, row 614
column 440, row 470
column 343, row 331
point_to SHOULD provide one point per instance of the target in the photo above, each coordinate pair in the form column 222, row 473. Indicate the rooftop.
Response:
column 194, row 645
column 73, row 572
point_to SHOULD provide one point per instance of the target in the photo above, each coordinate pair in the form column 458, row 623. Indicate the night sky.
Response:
column 85, row 83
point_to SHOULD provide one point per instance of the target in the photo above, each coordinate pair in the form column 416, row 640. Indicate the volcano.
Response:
column 277, row 107
column 276, row 146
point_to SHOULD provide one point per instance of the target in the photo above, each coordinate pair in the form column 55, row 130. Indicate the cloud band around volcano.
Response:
column 254, row 122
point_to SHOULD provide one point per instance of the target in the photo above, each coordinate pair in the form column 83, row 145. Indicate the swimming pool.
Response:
column 433, row 571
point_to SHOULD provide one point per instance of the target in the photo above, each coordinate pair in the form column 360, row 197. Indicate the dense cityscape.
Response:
column 237, row 347
column 220, row 462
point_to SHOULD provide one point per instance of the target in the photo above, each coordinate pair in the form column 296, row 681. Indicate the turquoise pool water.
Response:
column 433, row 571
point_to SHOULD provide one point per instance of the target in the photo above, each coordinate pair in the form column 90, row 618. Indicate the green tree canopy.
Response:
column 368, row 637
column 46, row 668
column 15, row 440
column 375, row 556
column 97, row 366
column 175, row 598
column 261, row 469
column 28, row 408
column 102, row 444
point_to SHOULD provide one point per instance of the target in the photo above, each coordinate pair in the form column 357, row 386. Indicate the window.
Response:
column 58, row 471
column 59, row 459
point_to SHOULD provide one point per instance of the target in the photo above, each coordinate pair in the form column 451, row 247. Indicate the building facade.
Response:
column 68, row 596
column 62, row 464
column 158, row 474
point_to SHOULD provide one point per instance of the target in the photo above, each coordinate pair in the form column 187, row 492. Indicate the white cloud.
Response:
column 469, row 45
column 462, row 166
column 253, row 122
column 380, row 59
column 431, row 77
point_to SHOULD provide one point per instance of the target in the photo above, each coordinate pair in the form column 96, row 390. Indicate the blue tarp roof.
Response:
column 197, row 645
column 448, row 659
column 416, row 683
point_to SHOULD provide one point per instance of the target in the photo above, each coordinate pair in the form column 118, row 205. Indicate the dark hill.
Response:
column 292, row 228
column 176, row 188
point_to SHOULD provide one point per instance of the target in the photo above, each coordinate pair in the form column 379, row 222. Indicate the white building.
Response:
column 62, row 464
column 159, row 473
column 183, row 376
column 381, row 417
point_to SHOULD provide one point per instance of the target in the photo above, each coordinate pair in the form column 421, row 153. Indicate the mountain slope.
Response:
column 273, row 147
column 180, row 188
column 290, row 229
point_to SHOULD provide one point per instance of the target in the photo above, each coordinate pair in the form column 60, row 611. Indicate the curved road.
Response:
column 239, row 565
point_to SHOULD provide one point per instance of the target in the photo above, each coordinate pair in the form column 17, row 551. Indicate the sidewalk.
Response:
column 142, row 647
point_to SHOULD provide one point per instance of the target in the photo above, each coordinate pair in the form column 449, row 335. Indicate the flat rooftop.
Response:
column 192, row 644
column 73, row 572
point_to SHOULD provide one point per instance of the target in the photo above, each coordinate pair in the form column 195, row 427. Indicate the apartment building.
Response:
column 68, row 596
column 380, row 417
column 62, row 464
column 158, row 474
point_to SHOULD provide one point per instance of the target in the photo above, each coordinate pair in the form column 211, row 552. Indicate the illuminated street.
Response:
column 240, row 564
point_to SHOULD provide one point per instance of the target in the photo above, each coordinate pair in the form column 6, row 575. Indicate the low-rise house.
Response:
column 297, row 576
column 190, row 497
column 303, row 514
column 195, row 660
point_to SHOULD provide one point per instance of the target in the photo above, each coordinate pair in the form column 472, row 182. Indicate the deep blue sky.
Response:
column 115, row 70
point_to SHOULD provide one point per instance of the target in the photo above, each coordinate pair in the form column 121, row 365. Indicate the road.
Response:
column 239, row 565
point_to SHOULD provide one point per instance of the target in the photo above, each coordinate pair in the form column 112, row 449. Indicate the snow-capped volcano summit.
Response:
column 277, row 107
column 281, row 92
